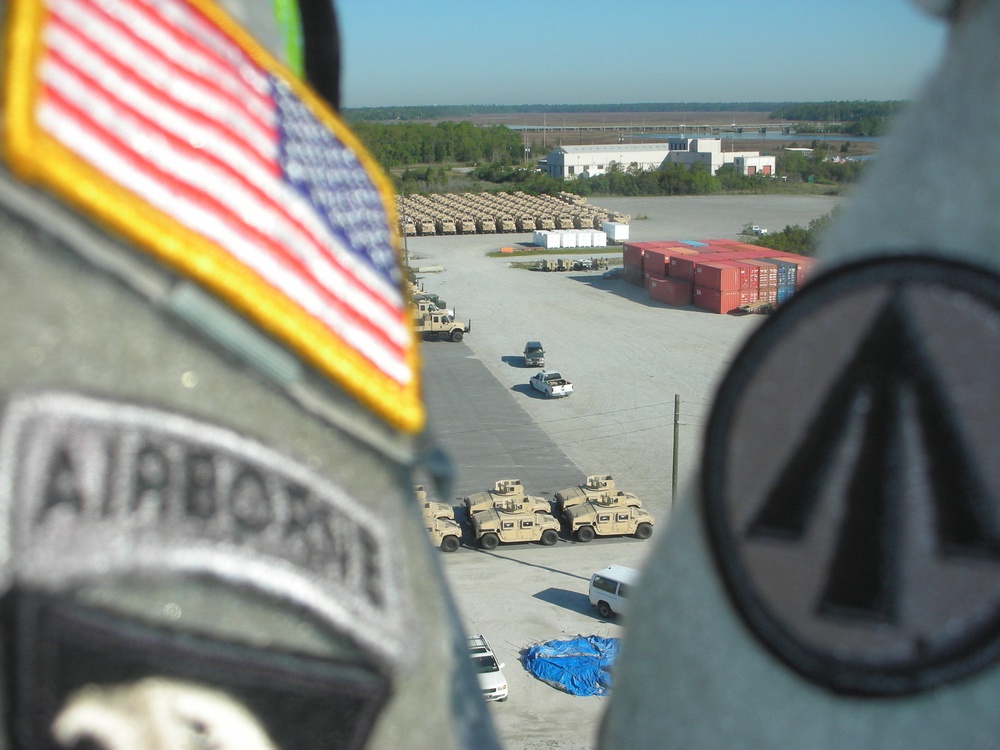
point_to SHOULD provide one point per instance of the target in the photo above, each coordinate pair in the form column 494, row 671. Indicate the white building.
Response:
column 570, row 162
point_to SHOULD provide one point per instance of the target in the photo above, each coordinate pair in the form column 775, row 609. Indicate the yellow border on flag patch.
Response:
column 36, row 157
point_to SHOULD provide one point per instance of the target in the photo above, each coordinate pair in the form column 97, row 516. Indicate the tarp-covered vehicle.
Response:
column 579, row 666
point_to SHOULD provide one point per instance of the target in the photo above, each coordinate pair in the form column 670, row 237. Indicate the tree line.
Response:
column 403, row 144
column 859, row 118
column 458, row 111
column 795, row 238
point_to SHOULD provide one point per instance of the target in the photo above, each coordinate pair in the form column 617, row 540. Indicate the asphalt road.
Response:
column 628, row 358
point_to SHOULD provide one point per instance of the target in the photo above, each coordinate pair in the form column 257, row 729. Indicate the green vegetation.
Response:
column 675, row 179
column 796, row 239
column 412, row 143
column 426, row 152
column 858, row 118
column 459, row 111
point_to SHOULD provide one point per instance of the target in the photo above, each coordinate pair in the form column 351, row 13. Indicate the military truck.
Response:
column 525, row 224
column 439, row 324
column 445, row 225
column 612, row 514
column 514, row 522
column 505, row 492
column 591, row 489
column 439, row 520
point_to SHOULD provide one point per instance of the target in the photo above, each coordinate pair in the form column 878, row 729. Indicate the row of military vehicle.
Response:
column 506, row 514
column 432, row 320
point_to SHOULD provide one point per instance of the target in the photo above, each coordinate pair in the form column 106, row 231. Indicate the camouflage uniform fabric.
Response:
column 204, row 537
column 842, row 592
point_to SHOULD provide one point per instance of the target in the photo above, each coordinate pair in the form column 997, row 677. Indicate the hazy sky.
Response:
column 409, row 52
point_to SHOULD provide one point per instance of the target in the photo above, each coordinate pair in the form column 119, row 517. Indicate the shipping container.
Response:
column 749, row 274
column 787, row 271
column 671, row 292
column 632, row 257
column 546, row 239
column 693, row 243
column 767, row 272
column 633, row 275
column 656, row 262
column 785, row 292
column 615, row 231
column 717, row 275
column 715, row 300
column 805, row 271
column 768, row 294
column 650, row 278
column 682, row 267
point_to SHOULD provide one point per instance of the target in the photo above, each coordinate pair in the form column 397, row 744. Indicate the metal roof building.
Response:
column 570, row 162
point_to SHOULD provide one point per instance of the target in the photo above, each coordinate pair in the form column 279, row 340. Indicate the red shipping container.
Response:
column 717, row 275
column 648, row 277
column 748, row 296
column 768, row 272
column 633, row 275
column 632, row 256
column 715, row 300
column 749, row 274
column 805, row 271
column 656, row 261
column 670, row 291
column 682, row 267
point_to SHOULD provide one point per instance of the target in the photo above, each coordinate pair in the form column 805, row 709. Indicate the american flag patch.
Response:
column 165, row 121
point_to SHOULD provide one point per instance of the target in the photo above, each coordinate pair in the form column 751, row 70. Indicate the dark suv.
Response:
column 534, row 354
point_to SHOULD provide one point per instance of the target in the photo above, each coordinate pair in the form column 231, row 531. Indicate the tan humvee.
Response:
column 515, row 522
column 611, row 515
column 595, row 485
column 504, row 493
column 439, row 520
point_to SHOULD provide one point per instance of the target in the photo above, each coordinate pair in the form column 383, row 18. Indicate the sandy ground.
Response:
column 628, row 358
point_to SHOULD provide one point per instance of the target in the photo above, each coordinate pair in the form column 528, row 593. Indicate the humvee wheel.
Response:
column 456, row 336
column 549, row 537
column 644, row 531
column 489, row 541
column 585, row 534
column 604, row 610
column 450, row 543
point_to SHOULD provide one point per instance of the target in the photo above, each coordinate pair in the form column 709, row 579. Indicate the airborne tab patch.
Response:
column 119, row 489
column 852, row 490
column 166, row 122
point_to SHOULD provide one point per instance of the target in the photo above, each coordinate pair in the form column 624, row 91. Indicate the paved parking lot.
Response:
column 628, row 358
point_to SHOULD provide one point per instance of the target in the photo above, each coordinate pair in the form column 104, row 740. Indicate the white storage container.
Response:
column 616, row 231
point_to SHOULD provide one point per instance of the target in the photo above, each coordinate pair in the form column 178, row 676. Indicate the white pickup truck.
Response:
column 551, row 383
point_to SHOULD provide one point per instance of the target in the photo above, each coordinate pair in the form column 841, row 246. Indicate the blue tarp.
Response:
column 580, row 666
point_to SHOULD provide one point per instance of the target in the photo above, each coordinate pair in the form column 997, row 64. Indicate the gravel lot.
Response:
column 627, row 357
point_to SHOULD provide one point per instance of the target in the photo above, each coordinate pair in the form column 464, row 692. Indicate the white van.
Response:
column 610, row 589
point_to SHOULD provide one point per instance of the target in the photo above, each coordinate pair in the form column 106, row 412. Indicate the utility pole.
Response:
column 677, row 430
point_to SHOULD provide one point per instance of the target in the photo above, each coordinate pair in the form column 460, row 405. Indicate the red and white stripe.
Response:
column 164, row 104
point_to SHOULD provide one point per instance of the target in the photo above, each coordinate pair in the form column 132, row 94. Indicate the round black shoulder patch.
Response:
column 852, row 477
